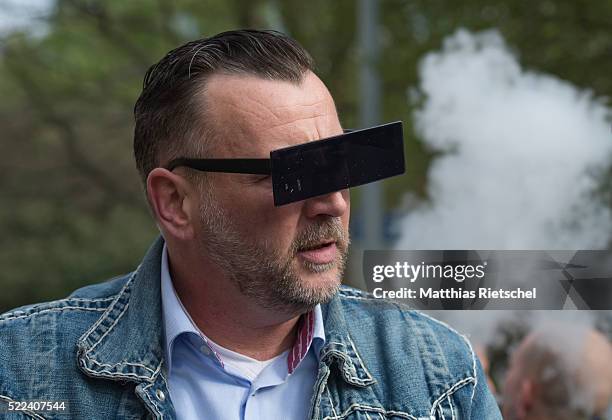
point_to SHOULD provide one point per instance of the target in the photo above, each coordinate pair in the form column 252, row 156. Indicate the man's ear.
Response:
column 172, row 199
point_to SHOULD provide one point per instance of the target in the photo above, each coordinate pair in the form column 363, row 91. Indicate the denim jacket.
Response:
column 100, row 351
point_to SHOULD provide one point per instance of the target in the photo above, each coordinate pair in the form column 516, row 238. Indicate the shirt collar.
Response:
column 177, row 321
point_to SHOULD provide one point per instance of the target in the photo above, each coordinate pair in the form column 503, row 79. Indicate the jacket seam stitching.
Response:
column 449, row 391
column 161, row 373
column 112, row 305
column 441, row 413
column 474, row 371
column 114, row 375
column 317, row 397
column 370, row 377
column 158, row 371
column 38, row 308
column 378, row 410
column 452, row 410
column 161, row 416
column 472, row 353
column 346, row 362
column 95, row 344
column 357, row 297
column 88, row 299
column 75, row 308
column 123, row 362
column 34, row 307
column 331, row 403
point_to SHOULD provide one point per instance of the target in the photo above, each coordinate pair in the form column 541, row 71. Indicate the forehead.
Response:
column 252, row 116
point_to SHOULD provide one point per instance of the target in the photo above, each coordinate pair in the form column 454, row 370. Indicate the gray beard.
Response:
column 261, row 272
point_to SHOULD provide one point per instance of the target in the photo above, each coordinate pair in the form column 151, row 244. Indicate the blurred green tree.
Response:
column 73, row 210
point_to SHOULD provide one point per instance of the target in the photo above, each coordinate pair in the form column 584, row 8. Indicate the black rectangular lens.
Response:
column 329, row 165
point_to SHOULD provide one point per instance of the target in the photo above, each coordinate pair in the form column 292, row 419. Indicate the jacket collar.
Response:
column 340, row 349
column 126, row 342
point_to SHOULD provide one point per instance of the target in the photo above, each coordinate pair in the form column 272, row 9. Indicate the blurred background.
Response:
column 505, row 106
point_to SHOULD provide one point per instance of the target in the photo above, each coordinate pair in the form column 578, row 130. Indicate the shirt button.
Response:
column 205, row 350
column 160, row 395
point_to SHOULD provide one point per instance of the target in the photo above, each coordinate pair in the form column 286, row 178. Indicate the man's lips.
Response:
column 322, row 254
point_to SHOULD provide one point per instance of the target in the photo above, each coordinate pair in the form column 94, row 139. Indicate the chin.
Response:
column 310, row 289
column 320, row 276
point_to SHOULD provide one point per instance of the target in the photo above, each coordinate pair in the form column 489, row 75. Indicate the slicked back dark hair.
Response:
column 170, row 112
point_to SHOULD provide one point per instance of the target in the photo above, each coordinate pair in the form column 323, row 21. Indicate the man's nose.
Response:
column 333, row 204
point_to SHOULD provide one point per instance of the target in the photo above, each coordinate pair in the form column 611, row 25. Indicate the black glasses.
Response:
column 319, row 167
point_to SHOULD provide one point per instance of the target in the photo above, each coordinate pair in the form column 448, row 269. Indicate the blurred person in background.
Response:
column 559, row 372
column 236, row 311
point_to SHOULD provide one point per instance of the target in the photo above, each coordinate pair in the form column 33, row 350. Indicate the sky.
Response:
column 17, row 14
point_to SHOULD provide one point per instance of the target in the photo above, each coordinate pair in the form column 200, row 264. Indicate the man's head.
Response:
column 559, row 372
column 241, row 94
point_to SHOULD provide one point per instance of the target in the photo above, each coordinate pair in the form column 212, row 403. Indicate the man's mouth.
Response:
column 320, row 253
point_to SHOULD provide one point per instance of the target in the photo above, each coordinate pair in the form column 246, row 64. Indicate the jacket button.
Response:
column 160, row 395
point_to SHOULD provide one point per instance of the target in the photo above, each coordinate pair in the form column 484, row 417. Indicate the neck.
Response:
column 225, row 315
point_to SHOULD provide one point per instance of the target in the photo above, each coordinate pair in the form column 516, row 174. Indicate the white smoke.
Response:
column 522, row 153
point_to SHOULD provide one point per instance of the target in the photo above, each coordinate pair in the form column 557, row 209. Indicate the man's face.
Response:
column 287, row 258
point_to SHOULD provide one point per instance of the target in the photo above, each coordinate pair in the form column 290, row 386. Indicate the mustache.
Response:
column 330, row 229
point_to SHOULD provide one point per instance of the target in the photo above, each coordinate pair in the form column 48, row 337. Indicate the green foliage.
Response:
column 73, row 211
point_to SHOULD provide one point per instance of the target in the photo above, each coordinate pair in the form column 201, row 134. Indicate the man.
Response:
column 559, row 372
column 237, row 312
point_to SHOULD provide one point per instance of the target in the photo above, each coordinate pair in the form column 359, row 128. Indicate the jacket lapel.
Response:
column 126, row 343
